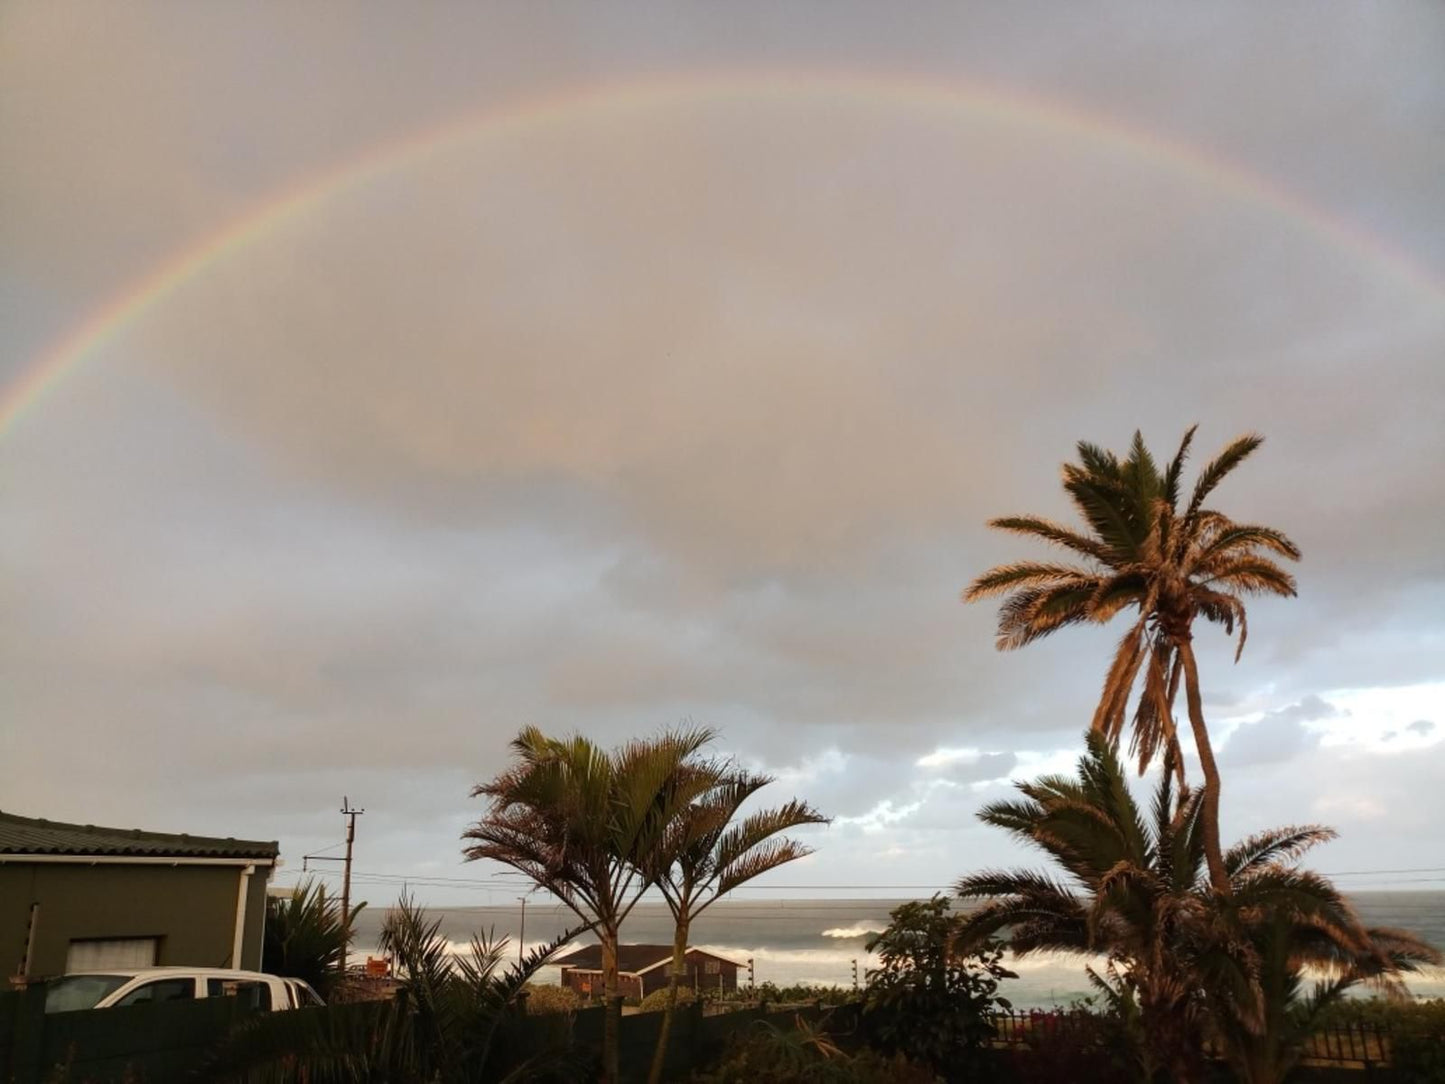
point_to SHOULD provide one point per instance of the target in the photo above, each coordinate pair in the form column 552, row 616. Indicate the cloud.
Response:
column 690, row 408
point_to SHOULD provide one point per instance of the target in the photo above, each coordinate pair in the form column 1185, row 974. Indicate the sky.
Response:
column 376, row 380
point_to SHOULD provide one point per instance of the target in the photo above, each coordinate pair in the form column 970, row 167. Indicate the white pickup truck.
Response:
column 135, row 986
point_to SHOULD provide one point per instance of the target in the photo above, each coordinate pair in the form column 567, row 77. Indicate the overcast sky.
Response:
column 682, row 389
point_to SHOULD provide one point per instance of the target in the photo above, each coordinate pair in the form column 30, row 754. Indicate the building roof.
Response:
column 632, row 959
column 31, row 835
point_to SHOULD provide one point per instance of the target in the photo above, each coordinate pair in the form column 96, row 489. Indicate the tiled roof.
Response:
column 30, row 835
column 630, row 958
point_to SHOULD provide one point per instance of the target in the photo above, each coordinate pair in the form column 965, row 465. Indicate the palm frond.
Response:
column 1056, row 534
column 1214, row 472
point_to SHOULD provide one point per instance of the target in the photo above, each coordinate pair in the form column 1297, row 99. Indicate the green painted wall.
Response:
column 192, row 909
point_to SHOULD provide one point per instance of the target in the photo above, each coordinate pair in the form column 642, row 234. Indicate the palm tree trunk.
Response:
column 675, row 973
column 611, row 1065
column 1213, row 854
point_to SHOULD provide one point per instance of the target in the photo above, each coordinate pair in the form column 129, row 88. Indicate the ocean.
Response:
column 816, row 941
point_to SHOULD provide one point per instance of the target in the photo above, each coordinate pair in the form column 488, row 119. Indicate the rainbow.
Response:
column 976, row 99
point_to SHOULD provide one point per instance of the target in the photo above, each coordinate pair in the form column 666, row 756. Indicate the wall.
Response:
column 191, row 908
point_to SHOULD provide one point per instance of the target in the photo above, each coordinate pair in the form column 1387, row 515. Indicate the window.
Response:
column 713, row 967
column 302, row 996
column 95, row 954
column 253, row 994
column 160, row 990
column 71, row 992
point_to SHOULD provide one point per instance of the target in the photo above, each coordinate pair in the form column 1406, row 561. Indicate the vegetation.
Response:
column 798, row 993
column 306, row 936
column 1191, row 963
column 805, row 1054
column 707, row 852
column 927, row 1001
column 1168, row 560
column 545, row 998
column 447, row 1024
column 581, row 822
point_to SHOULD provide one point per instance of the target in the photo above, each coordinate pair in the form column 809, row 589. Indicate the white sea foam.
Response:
column 858, row 929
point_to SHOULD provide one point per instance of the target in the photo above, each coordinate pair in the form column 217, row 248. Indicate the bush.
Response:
column 799, row 993
column 547, row 998
column 306, row 935
column 926, row 1001
column 1417, row 1033
column 657, row 1000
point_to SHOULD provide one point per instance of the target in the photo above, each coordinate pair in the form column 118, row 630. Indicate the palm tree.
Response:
column 705, row 855
column 1134, row 891
column 442, row 1027
column 579, row 821
column 1170, row 561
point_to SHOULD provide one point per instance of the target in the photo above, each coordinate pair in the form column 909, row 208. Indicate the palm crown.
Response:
column 1168, row 559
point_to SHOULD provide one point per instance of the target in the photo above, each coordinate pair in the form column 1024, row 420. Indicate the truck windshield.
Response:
column 71, row 992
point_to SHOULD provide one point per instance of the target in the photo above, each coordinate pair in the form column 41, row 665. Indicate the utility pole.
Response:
column 522, row 933
column 751, row 983
column 855, row 975
column 350, row 815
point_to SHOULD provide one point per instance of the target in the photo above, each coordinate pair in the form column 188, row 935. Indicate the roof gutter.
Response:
column 133, row 860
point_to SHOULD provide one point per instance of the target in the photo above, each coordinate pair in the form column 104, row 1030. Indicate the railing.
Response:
column 1357, row 1043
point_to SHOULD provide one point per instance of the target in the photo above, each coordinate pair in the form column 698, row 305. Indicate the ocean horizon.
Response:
column 816, row 941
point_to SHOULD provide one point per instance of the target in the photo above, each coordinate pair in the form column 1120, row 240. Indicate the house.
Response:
column 74, row 897
column 641, row 969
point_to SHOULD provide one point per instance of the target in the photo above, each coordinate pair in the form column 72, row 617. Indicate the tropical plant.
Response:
column 305, row 935
column 448, row 1023
column 707, row 853
column 1293, row 1012
column 927, row 1000
column 1167, row 559
column 1189, row 957
column 579, row 821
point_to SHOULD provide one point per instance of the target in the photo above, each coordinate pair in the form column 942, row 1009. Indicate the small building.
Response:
column 641, row 969
column 75, row 897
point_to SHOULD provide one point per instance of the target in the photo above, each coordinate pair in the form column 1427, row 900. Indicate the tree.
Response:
column 1136, row 892
column 447, row 1024
column 928, row 1001
column 1168, row 560
column 579, row 822
column 705, row 855
column 305, row 935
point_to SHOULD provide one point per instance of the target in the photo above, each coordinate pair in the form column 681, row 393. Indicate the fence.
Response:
column 1356, row 1045
column 154, row 1043
column 164, row 1042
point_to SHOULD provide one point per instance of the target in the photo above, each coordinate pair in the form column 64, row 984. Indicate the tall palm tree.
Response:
column 579, row 822
column 1169, row 560
column 705, row 855
column 1134, row 891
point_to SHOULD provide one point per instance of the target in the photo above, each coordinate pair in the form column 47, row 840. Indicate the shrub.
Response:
column 548, row 998
column 799, row 993
column 657, row 1000
column 306, row 935
column 927, row 1001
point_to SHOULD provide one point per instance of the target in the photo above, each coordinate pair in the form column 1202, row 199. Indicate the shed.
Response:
column 77, row 897
column 641, row 969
